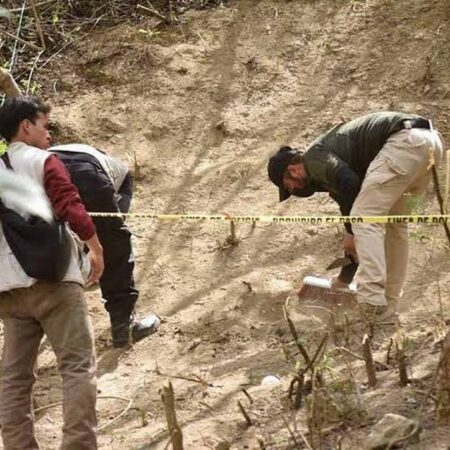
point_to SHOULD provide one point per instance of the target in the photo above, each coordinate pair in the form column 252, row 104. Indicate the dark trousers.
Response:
column 98, row 195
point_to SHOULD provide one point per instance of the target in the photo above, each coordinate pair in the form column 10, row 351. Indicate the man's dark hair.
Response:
column 298, row 158
column 17, row 109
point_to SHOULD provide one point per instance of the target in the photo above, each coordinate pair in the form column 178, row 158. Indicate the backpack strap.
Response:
column 5, row 158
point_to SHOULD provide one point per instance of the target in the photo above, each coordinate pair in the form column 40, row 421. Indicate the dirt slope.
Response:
column 202, row 104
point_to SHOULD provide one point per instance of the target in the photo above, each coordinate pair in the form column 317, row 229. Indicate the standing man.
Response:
column 106, row 185
column 31, row 308
column 367, row 166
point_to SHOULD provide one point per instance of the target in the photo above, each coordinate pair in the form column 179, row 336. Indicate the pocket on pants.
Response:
column 383, row 170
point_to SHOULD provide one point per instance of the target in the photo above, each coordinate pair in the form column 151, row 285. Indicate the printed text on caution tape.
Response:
column 430, row 219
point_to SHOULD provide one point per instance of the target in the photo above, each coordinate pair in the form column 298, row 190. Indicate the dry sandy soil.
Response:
column 203, row 104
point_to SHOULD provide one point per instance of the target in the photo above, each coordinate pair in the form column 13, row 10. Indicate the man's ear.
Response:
column 25, row 126
column 294, row 169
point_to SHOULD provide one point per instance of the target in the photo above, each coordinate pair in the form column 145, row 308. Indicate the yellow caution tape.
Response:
column 429, row 218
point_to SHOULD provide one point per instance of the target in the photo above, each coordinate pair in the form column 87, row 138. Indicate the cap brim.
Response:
column 284, row 194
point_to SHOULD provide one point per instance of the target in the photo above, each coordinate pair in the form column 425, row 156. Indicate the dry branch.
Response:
column 383, row 366
column 18, row 39
column 154, row 12
column 440, row 200
column 401, row 361
column 368, row 359
column 294, row 333
column 168, row 399
column 38, row 24
column 245, row 414
column 443, row 383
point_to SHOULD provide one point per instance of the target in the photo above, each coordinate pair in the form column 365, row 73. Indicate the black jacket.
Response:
column 337, row 161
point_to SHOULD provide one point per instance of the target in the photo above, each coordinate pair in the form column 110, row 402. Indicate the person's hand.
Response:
column 349, row 246
column 96, row 259
column 97, row 267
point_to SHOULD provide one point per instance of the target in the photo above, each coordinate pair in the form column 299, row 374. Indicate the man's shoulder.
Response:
column 316, row 151
column 26, row 151
column 77, row 148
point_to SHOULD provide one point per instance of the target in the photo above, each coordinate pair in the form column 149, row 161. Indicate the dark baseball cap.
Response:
column 277, row 166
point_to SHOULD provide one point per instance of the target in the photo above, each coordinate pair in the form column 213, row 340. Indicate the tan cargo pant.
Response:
column 59, row 310
column 401, row 167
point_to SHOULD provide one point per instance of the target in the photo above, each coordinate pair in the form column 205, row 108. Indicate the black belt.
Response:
column 416, row 123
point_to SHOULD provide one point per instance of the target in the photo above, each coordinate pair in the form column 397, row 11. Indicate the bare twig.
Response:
column 356, row 356
column 318, row 352
column 261, row 443
column 401, row 361
column 108, row 397
column 28, row 7
column 294, row 333
column 315, row 419
column 292, row 433
column 443, row 371
column 388, row 353
column 300, row 381
column 368, row 359
column 32, row 70
column 16, row 38
column 245, row 414
column 22, row 41
column 247, row 395
column 38, row 24
column 440, row 200
column 168, row 399
column 154, row 12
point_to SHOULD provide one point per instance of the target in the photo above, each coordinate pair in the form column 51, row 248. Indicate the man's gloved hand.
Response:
column 349, row 246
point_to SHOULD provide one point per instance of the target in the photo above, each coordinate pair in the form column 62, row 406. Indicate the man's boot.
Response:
column 143, row 328
column 373, row 314
column 126, row 331
column 120, row 331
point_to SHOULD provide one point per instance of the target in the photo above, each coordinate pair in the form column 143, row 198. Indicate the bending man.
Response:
column 106, row 185
column 367, row 165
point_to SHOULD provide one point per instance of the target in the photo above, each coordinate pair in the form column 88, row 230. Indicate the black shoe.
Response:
column 146, row 327
column 121, row 333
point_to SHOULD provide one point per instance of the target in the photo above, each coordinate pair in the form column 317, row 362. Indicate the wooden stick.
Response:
column 261, row 443
column 28, row 7
column 38, row 24
column 32, row 70
column 154, row 12
column 244, row 413
column 299, row 392
column 368, row 359
column 318, row 352
column 299, row 345
column 443, row 388
column 291, row 432
column 247, row 395
column 401, row 361
column 168, row 399
column 440, row 200
column 356, row 356
column 18, row 39
column 388, row 353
